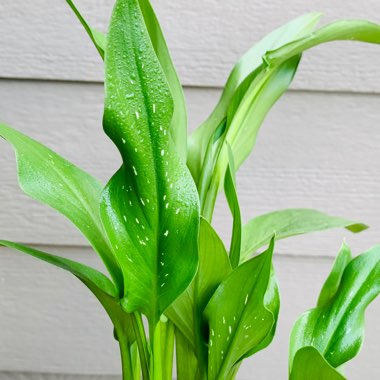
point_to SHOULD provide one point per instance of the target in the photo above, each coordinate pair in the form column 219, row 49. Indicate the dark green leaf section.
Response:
column 238, row 318
column 233, row 203
column 50, row 179
column 98, row 38
column 150, row 207
column 290, row 222
column 244, row 72
column 186, row 311
column 335, row 329
column 309, row 364
column 351, row 30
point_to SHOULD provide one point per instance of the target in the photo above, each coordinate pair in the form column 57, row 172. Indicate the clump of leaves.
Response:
column 151, row 223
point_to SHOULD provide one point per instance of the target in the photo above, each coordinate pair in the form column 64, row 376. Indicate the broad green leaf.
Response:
column 309, row 364
column 336, row 328
column 249, row 62
column 289, row 222
column 238, row 318
column 150, row 206
column 214, row 267
column 332, row 282
column 98, row 38
column 233, row 202
column 50, row 179
column 178, row 128
column 351, row 30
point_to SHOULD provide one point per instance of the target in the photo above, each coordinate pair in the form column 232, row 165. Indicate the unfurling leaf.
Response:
column 335, row 328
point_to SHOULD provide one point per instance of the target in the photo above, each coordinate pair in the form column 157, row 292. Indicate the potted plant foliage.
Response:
column 171, row 284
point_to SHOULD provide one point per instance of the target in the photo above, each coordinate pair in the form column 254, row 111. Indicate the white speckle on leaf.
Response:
column 246, row 299
column 162, row 285
column 146, row 238
column 210, row 342
column 224, row 320
column 230, row 329
column 123, row 140
column 117, row 247
column 166, row 233
column 163, row 152
column 129, row 259
column 177, row 211
column 164, row 198
column 137, row 221
column 142, row 201
column 130, row 203
column 167, row 205
column 212, row 332
column 167, row 274
column 154, row 108
column 125, row 218
column 136, row 150
column 134, row 170
column 162, row 263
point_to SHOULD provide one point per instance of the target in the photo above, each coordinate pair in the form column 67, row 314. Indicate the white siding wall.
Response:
column 318, row 148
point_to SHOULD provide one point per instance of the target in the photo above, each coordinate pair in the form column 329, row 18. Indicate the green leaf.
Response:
column 249, row 62
column 186, row 361
column 186, row 311
column 352, row 30
column 309, row 364
column 335, row 329
column 238, row 318
column 98, row 38
column 233, row 203
column 150, row 207
column 91, row 277
column 289, row 222
column 178, row 128
column 331, row 285
column 243, row 127
column 103, row 289
column 50, row 179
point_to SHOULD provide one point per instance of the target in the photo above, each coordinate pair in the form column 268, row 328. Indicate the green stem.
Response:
column 157, row 359
column 141, row 344
column 169, row 350
column 126, row 360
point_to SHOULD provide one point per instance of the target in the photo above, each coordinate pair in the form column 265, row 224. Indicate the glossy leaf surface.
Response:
column 336, row 327
column 50, row 179
column 150, row 206
column 289, row 222
column 238, row 318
